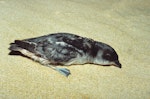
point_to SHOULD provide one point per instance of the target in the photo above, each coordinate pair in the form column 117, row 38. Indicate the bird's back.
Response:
column 58, row 48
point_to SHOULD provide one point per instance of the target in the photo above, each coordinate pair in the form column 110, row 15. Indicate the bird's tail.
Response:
column 18, row 44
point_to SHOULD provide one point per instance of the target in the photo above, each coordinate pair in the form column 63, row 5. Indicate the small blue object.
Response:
column 64, row 71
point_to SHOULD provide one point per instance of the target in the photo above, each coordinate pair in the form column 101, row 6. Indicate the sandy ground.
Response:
column 123, row 24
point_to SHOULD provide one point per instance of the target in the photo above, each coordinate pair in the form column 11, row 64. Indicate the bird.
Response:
column 65, row 49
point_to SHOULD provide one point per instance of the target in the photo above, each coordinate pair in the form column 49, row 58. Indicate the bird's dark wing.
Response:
column 59, row 47
column 57, row 52
column 68, row 43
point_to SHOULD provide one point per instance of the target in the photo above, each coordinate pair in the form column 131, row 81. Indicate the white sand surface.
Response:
column 123, row 24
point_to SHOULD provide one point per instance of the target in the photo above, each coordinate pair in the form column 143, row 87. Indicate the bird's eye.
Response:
column 107, row 56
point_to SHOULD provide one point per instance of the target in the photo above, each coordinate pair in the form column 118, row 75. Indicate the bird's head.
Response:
column 106, row 55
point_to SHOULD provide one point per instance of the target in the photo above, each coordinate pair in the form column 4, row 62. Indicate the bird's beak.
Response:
column 117, row 64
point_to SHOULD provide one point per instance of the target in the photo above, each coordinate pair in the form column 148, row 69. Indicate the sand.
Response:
column 123, row 24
